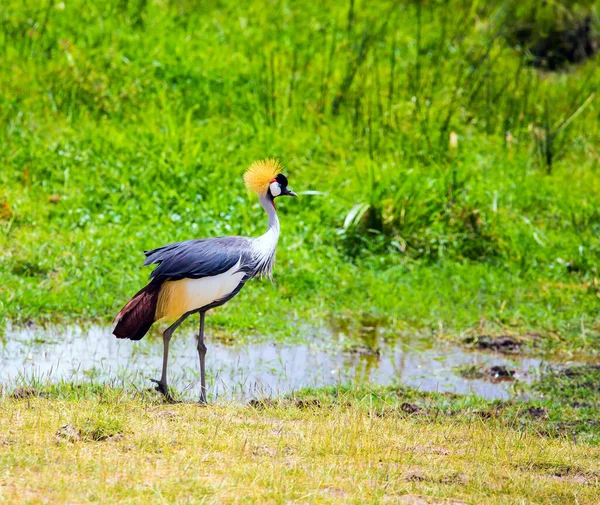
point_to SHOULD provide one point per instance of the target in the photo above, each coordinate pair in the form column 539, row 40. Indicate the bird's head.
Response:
column 279, row 187
column 264, row 178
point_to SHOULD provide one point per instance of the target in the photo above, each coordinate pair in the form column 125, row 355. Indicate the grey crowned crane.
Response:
column 197, row 275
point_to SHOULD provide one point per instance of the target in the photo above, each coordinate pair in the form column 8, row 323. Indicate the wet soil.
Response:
column 504, row 343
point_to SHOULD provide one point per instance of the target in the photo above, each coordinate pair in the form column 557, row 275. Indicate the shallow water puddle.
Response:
column 249, row 370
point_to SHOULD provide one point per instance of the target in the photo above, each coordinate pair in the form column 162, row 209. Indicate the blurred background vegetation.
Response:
column 447, row 152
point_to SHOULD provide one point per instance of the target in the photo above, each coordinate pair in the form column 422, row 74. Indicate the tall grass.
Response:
column 420, row 130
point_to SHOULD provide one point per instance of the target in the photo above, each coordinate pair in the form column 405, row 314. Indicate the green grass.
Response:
column 447, row 187
column 99, row 444
column 127, row 125
column 562, row 404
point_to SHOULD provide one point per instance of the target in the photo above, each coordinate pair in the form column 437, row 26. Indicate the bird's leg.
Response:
column 202, row 354
column 161, row 385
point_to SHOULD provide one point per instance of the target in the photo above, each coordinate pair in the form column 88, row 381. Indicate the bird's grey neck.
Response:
column 265, row 245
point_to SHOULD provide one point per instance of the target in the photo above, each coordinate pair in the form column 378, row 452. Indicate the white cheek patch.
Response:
column 275, row 189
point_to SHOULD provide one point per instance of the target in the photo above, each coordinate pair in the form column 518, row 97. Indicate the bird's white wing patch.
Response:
column 178, row 297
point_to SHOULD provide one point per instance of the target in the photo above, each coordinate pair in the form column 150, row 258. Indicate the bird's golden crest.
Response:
column 260, row 174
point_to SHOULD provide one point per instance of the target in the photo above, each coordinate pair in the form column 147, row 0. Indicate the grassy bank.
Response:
column 335, row 446
column 446, row 180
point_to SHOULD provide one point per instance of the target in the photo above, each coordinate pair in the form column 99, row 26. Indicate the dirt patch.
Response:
column 503, row 343
column 411, row 408
column 562, row 472
column 263, row 450
column 334, row 491
column 575, row 479
column 496, row 373
column 299, row 403
column 499, row 373
column 440, row 451
column 582, row 405
column 418, row 476
column 578, row 371
column 68, row 433
column 411, row 499
column 537, row 412
column 24, row 392
column 261, row 404
column 569, row 427
column 454, row 478
column 165, row 414
column 486, row 414
column 313, row 403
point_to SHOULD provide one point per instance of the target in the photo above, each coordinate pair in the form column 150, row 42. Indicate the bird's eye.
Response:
column 275, row 189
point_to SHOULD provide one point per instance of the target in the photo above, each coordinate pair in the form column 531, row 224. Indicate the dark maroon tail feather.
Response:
column 136, row 318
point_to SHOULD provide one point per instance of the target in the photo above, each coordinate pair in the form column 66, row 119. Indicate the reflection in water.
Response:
column 250, row 370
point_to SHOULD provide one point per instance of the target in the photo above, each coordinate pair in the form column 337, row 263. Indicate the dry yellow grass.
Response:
column 127, row 451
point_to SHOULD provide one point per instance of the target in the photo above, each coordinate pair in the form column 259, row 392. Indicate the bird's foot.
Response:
column 202, row 402
column 162, row 388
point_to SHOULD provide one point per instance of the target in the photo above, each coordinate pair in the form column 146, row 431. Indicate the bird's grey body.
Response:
column 197, row 275
column 202, row 274
column 194, row 261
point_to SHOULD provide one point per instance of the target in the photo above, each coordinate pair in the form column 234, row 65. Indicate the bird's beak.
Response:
column 288, row 192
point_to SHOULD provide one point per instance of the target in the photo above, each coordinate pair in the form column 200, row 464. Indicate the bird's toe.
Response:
column 161, row 387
